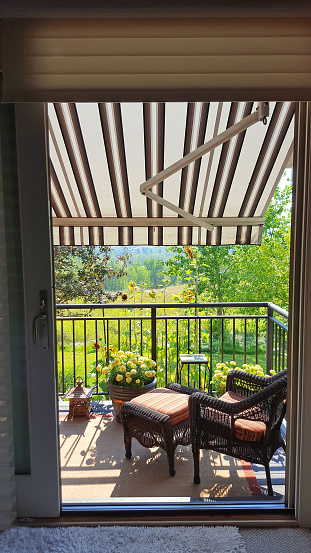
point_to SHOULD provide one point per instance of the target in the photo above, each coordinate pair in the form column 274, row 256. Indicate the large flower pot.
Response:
column 120, row 394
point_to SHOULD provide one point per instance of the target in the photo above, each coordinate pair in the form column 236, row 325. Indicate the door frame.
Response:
column 38, row 494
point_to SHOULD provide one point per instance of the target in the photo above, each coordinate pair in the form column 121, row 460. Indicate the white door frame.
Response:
column 38, row 495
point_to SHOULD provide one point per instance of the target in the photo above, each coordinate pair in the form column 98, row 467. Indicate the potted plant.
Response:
column 127, row 376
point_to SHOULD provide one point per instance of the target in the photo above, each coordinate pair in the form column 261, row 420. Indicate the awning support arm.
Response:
column 261, row 114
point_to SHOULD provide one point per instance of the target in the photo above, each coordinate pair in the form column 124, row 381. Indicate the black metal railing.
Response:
column 247, row 333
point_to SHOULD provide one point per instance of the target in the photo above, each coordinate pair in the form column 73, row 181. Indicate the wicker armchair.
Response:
column 214, row 422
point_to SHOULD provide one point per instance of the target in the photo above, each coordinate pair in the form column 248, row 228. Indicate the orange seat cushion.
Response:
column 166, row 401
column 231, row 397
column 249, row 430
column 245, row 429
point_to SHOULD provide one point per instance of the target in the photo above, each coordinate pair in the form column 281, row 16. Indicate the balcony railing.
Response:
column 251, row 333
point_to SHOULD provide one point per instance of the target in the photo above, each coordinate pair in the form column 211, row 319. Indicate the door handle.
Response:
column 40, row 323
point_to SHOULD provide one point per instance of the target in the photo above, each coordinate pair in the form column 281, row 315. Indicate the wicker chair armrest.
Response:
column 181, row 389
column 131, row 408
column 257, row 381
column 243, row 407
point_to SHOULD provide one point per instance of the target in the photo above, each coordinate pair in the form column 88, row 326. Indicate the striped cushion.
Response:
column 249, row 430
column 165, row 401
column 244, row 429
column 231, row 397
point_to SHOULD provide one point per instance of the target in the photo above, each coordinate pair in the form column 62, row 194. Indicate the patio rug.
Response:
column 94, row 468
column 133, row 539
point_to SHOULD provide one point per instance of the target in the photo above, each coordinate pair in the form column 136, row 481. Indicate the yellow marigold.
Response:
column 122, row 369
column 99, row 368
column 153, row 364
column 119, row 377
column 127, row 374
column 121, row 352
column 153, row 373
column 137, row 381
column 272, row 372
column 139, row 362
column 148, row 374
column 218, row 365
column 233, row 363
column 222, row 384
column 105, row 370
column 129, row 364
column 133, row 371
column 143, row 366
column 128, row 379
column 129, row 354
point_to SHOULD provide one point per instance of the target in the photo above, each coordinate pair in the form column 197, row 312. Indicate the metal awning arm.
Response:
column 261, row 114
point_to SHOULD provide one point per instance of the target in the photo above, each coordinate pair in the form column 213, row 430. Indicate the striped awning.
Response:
column 100, row 154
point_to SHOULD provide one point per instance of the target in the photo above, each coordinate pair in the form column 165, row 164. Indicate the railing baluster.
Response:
column 233, row 345
column 96, row 355
column 245, row 340
column 85, row 362
column 222, row 340
column 256, row 341
column 279, row 366
column 211, row 345
column 166, row 353
column 178, row 379
column 283, row 351
column 63, row 363
column 154, row 333
column 276, row 348
column 74, row 349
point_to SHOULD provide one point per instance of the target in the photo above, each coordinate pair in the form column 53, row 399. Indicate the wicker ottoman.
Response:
column 159, row 418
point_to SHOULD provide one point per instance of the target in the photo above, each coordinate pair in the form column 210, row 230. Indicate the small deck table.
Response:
column 195, row 359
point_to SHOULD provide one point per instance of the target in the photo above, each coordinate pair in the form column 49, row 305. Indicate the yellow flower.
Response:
column 127, row 374
column 233, row 363
column 272, row 371
column 153, row 373
column 122, row 369
column 148, row 374
column 153, row 364
column 128, row 354
column 121, row 352
column 128, row 379
column 222, row 384
column 139, row 362
column 99, row 368
column 129, row 364
column 137, row 381
column 105, row 370
column 143, row 366
column 133, row 371
column 119, row 377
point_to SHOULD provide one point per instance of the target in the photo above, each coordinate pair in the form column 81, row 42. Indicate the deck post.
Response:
column 269, row 352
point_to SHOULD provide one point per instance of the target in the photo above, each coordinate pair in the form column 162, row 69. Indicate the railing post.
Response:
column 269, row 352
column 154, row 333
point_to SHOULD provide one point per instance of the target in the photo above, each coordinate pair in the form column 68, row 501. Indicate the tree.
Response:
column 241, row 273
column 82, row 271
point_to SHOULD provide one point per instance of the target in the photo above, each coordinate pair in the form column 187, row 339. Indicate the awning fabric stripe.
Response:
column 101, row 153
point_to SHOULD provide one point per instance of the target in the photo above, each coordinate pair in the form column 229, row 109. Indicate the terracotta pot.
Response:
column 120, row 394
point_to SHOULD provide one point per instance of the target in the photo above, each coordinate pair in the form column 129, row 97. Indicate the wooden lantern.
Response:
column 80, row 400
